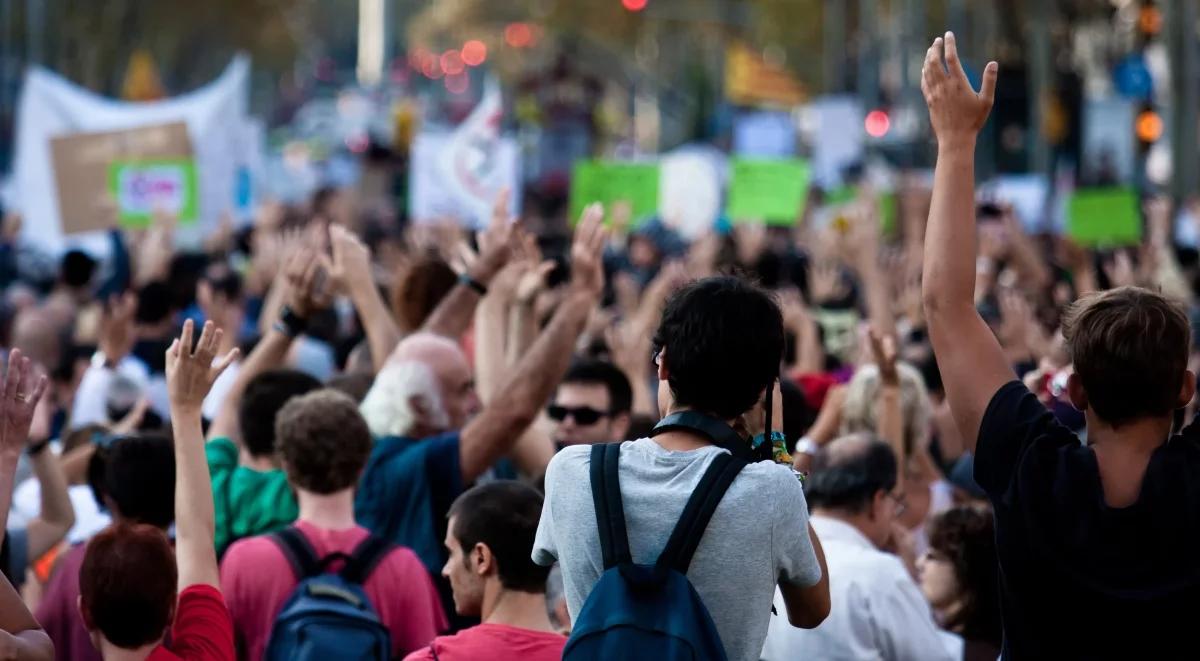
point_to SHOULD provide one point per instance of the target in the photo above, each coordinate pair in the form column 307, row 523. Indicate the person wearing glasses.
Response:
column 592, row 405
column 878, row 610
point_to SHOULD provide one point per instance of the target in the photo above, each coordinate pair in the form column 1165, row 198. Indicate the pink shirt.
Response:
column 494, row 642
column 257, row 579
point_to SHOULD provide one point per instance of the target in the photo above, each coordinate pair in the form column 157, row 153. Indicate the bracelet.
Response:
column 290, row 323
column 478, row 286
column 37, row 448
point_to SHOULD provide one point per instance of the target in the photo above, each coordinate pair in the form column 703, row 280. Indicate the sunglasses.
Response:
column 583, row 415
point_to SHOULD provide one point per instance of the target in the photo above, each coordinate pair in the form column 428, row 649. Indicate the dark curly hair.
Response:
column 721, row 340
column 965, row 536
column 322, row 440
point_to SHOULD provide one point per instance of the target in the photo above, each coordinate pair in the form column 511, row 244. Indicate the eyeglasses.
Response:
column 583, row 415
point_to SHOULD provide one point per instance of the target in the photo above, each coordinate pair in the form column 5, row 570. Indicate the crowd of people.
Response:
column 333, row 435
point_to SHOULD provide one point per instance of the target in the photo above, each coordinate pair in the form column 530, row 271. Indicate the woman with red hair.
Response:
column 132, row 588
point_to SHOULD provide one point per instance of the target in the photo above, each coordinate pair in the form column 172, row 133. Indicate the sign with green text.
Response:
column 1104, row 217
column 608, row 182
column 140, row 187
column 773, row 191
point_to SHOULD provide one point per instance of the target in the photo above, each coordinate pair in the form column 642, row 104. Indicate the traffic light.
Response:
column 634, row 5
column 877, row 124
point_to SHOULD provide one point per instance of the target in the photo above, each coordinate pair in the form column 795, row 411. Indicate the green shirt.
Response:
column 246, row 502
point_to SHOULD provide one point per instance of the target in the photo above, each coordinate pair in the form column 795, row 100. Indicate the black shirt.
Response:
column 1080, row 579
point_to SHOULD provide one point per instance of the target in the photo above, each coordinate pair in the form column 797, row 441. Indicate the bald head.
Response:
column 445, row 359
column 849, row 471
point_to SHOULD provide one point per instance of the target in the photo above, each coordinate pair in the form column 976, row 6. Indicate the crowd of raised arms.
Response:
column 334, row 437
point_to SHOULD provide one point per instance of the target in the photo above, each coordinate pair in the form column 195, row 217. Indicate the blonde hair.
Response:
column 860, row 410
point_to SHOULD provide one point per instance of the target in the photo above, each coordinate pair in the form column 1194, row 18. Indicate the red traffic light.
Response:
column 634, row 5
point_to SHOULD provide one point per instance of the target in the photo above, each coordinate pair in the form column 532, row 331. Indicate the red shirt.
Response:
column 202, row 629
column 494, row 642
column 257, row 579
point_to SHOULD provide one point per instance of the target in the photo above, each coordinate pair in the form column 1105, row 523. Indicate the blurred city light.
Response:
column 452, row 63
column 457, row 83
column 634, row 5
column 474, row 52
column 877, row 123
column 518, row 35
column 1149, row 126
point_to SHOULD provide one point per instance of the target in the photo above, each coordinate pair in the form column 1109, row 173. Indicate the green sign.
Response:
column 1104, row 217
column 608, row 182
column 140, row 187
column 772, row 191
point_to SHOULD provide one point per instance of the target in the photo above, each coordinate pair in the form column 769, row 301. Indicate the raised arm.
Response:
column 21, row 637
column 190, row 375
column 22, row 391
column 299, row 287
column 890, row 421
column 453, row 315
column 56, row 515
column 492, row 433
column 971, row 361
column 350, row 268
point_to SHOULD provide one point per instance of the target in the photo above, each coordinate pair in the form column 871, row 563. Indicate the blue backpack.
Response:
column 328, row 615
column 648, row 611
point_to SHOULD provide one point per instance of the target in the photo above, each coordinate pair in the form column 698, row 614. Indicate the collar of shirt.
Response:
column 833, row 530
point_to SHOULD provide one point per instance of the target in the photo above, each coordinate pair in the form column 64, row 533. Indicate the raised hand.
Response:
column 349, row 265
column 496, row 241
column 956, row 111
column 18, row 401
column 883, row 349
column 825, row 282
column 533, row 281
column 192, row 372
column 587, row 252
column 306, row 292
column 116, row 328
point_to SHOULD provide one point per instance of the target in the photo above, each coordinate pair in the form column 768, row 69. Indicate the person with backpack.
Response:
column 1096, row 542
column 133, row 587
column 671, row 547
column 489, row 538
column 326, row 587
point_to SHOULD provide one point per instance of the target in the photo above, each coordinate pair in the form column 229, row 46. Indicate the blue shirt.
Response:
column 407, row 489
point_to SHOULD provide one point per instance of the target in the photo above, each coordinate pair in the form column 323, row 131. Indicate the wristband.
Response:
column 478, row 286
column 37, row 448
column 290, row 323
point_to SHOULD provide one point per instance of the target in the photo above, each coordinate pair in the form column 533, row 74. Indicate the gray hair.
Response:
column 388, row 409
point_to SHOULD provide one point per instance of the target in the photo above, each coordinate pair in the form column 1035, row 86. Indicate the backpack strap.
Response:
column 365, row 558
column 681, row 546
column 610, row 513
column 299, row 552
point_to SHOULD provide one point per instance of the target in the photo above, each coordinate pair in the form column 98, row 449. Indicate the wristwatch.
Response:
column 807, row 446
column 290, row 323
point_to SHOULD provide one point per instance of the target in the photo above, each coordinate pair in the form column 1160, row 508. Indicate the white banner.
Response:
column 459, row 174
column 52, row 106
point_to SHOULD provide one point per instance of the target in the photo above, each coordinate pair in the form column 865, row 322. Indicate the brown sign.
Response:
column 81, row 162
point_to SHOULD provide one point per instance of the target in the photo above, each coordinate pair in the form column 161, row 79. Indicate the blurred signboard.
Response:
column 771, row 191
column 764, row 134
column 139, row 169
column 752, row 81
column 608, row 182
column 838, row 137
column 1104, row 217
column 1109, row 150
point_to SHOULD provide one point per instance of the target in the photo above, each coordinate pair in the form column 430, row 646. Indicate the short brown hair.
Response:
column 1130, row 349
column 127, row 584
column 323, row 441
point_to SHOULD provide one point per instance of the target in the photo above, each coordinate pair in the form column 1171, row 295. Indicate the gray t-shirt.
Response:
column 757, row 537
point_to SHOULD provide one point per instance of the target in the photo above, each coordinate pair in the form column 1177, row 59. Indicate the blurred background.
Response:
column 1094, row 92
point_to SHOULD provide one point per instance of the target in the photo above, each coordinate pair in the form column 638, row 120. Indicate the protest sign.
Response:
column 138, row 169
column 772, row 191
column 1104, row 217
column 608, row 182
column 460, row 173
column 142, row 187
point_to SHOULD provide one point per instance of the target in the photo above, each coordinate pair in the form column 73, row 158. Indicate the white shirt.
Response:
column 878, row 612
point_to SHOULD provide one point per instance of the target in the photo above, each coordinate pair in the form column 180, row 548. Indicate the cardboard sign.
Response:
column 89, row 167
column 772, row 191
column 1104, row 217
column 139, row 188
column 608, row 182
